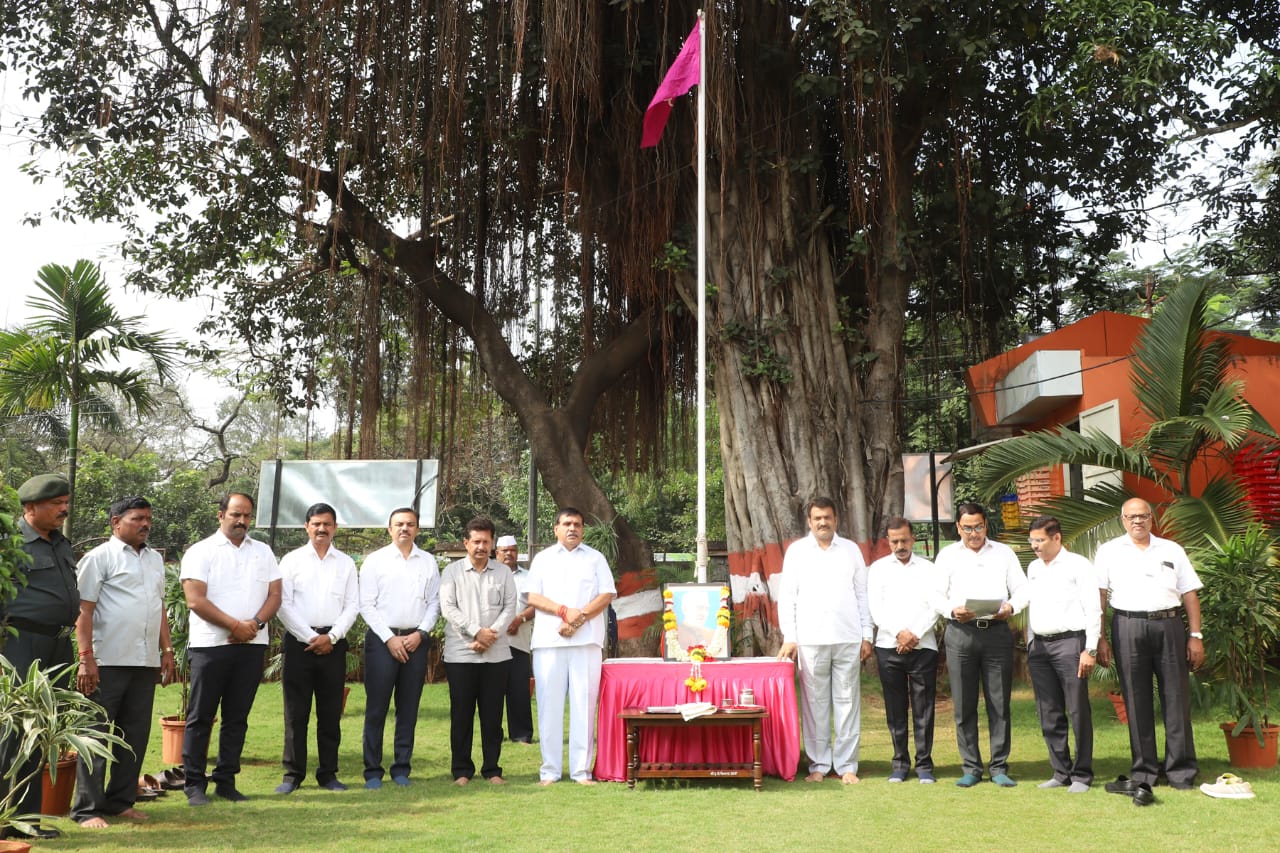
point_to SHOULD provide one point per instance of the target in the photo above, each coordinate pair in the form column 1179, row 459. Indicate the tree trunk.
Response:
column 789, row 422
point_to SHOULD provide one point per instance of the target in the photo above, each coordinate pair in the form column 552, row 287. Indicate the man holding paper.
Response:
column 981, row 576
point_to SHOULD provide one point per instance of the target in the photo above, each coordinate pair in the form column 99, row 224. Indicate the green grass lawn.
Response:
column 433, row 815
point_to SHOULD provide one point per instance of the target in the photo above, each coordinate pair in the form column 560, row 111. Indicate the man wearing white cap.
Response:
column 519, row 632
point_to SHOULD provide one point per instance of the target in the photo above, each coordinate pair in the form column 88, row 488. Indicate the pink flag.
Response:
column 681, row 77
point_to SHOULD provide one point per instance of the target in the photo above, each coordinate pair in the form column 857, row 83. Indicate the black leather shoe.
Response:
column 229, row 793
column 1123, row 785
column 1143, row 795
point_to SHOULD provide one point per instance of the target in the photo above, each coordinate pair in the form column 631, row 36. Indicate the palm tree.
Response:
column 1196, row 414
column 60, row 363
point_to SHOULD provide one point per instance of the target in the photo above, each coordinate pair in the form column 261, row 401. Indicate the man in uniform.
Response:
column 400, row 601
column 232, row 585
column 44, row 611
column 1151, row 587
column 124, row 627
column 826, row 626
column 320, row 599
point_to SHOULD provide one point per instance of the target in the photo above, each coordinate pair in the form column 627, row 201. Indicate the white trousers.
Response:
column 831, row 694
column 573, row 671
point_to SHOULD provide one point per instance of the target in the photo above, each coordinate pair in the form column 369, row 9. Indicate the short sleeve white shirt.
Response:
column 1154, row 578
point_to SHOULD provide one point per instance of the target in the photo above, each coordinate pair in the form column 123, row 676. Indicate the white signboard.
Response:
column 364, row 492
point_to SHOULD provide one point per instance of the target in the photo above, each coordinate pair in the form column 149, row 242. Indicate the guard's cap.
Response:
column 43, row 487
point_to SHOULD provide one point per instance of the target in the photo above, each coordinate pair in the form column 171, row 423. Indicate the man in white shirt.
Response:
column 905, row 594
column 123, row 635
column 1151, row 585
column 400, row 601
column 980, row 645
column 478, row 602
column 1062, row 649
column 232, row 585
column 320, row 602
column 519, row 634
column 570, row 586
column 826, row 627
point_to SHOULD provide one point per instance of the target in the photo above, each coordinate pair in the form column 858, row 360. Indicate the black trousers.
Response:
column 1146, row 649
column 224, row 680
column 981, row 657
column 1061, row 694
column 909, row 682
column 519, row 700
column 127, row 695
column 472, row 686
column 304, row 676
column 21, row 650
column 384, row 676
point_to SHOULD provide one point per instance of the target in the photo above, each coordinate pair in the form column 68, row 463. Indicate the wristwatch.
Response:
column 1196, row 635
column 259, row 623
column 1093, row 653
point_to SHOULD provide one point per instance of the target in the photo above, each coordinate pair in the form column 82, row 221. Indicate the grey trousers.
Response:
column 1061, row 694
column 1146, row 649
column 981, row 657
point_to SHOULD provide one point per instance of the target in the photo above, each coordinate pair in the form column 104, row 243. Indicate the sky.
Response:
column 27, row 249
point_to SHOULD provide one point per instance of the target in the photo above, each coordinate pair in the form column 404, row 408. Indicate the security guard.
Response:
column 44, row 612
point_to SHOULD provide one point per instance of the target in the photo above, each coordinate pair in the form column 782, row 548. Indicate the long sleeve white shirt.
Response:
column 992, row 573
column 1063, row 596
column 398, row 592
column 910, row 596
column 572, row 578
column 822, row 599
column 318, row 591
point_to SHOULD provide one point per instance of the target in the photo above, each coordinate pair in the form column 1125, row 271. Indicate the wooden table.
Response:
column 636, row 719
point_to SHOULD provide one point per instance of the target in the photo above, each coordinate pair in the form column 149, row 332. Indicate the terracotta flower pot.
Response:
column 1244, row 750
column 8, row 845
column 1117, row 700
column 55, row 799
column 172, row 730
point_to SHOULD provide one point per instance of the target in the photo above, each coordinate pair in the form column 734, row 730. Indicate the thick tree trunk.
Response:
column 789, row 422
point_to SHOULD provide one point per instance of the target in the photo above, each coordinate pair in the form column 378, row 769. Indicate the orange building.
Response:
column 1079, row 377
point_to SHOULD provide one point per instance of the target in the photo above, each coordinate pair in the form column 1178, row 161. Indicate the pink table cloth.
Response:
column 640, row 682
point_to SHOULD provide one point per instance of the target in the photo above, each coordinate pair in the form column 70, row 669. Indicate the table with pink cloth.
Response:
column 641, row 682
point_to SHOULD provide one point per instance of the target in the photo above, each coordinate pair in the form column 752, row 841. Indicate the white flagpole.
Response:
column 701, row 563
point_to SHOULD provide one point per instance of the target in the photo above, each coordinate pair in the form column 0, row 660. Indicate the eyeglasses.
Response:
column 1034, row 541
column 977, row 528
column 1140, row 516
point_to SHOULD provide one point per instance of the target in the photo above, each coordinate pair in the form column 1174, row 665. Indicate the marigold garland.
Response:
column 698, row 654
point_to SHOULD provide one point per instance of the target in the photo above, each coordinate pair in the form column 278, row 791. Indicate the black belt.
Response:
column 59, row 631
column 404, row 632
column 980, row 624
column 1171, row 613
column 1059, row 636
column 324, row 630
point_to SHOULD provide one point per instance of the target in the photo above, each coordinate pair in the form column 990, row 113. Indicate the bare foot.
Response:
column 815, row 776
column 585, row 781
column 460, row 781
column 849, row 779
column 133, row 814
column 497, row 780
column 546, row 783
column 94, row 823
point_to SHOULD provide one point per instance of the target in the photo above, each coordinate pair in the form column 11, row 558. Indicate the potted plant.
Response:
column 1240, row 610
column 42, row 717
column 174, row 726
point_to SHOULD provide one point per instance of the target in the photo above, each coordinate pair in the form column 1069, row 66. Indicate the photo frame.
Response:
column 696, row 608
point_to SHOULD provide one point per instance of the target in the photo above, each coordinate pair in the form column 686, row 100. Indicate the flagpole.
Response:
column 701, row 563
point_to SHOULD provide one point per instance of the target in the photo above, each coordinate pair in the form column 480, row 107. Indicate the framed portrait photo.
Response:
column 698, row 620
